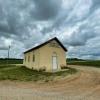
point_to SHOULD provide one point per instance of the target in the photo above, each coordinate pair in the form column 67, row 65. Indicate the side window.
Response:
column 54, row 44
column 33, row 58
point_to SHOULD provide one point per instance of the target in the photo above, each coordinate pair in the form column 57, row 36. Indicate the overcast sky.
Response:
column 26, row 23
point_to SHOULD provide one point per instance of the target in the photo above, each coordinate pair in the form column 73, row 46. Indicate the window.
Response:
column 33, row 58
column 54, row 44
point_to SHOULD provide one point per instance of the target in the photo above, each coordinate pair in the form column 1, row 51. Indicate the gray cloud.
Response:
column 77, row 39
column 3, row 48
column 19, row 15
column 29, row 22
column 46, row 9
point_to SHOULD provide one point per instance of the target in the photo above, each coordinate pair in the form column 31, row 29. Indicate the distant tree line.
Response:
column 74, row 59
column 11, row 61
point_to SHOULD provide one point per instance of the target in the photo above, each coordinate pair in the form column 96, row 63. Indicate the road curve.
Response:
column 83, row 86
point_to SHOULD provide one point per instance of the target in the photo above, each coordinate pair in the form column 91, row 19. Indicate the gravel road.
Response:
column 83, row 86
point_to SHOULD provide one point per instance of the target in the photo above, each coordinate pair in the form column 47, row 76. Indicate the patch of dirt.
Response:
column 83, row 86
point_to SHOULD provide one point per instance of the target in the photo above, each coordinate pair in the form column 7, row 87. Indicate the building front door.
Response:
column 54, row 63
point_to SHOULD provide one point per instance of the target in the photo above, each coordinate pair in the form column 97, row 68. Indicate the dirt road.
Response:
column 84, row 86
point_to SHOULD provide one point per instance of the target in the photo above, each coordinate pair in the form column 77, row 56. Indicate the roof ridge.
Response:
column 44, row 43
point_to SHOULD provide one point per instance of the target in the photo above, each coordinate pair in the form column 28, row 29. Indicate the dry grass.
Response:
column 21, row 73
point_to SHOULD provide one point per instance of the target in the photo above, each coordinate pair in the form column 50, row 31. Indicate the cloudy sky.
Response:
column 26, row 23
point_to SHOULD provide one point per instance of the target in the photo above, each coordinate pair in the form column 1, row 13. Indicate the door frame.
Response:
column 56, row 63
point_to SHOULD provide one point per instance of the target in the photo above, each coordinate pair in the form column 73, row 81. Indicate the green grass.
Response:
column 86, row 63
column 24, row 74
column 10, row 61
column 7, row 66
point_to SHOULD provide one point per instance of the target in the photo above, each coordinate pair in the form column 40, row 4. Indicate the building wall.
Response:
column 30, row 63
column 46, row 54
column 43, row 57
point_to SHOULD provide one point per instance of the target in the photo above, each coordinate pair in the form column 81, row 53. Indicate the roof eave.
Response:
column 55, row 38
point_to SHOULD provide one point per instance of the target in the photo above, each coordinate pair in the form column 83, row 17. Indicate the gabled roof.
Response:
column 37, row 47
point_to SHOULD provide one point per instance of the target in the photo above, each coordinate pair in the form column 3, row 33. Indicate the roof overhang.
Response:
column 37, row 47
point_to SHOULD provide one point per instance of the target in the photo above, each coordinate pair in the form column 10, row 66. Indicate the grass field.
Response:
column 10, row 61
column 93, row 63
column 21, row 73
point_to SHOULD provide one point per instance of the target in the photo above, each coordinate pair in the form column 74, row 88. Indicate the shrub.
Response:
column 42, row 69
column 63, row 67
